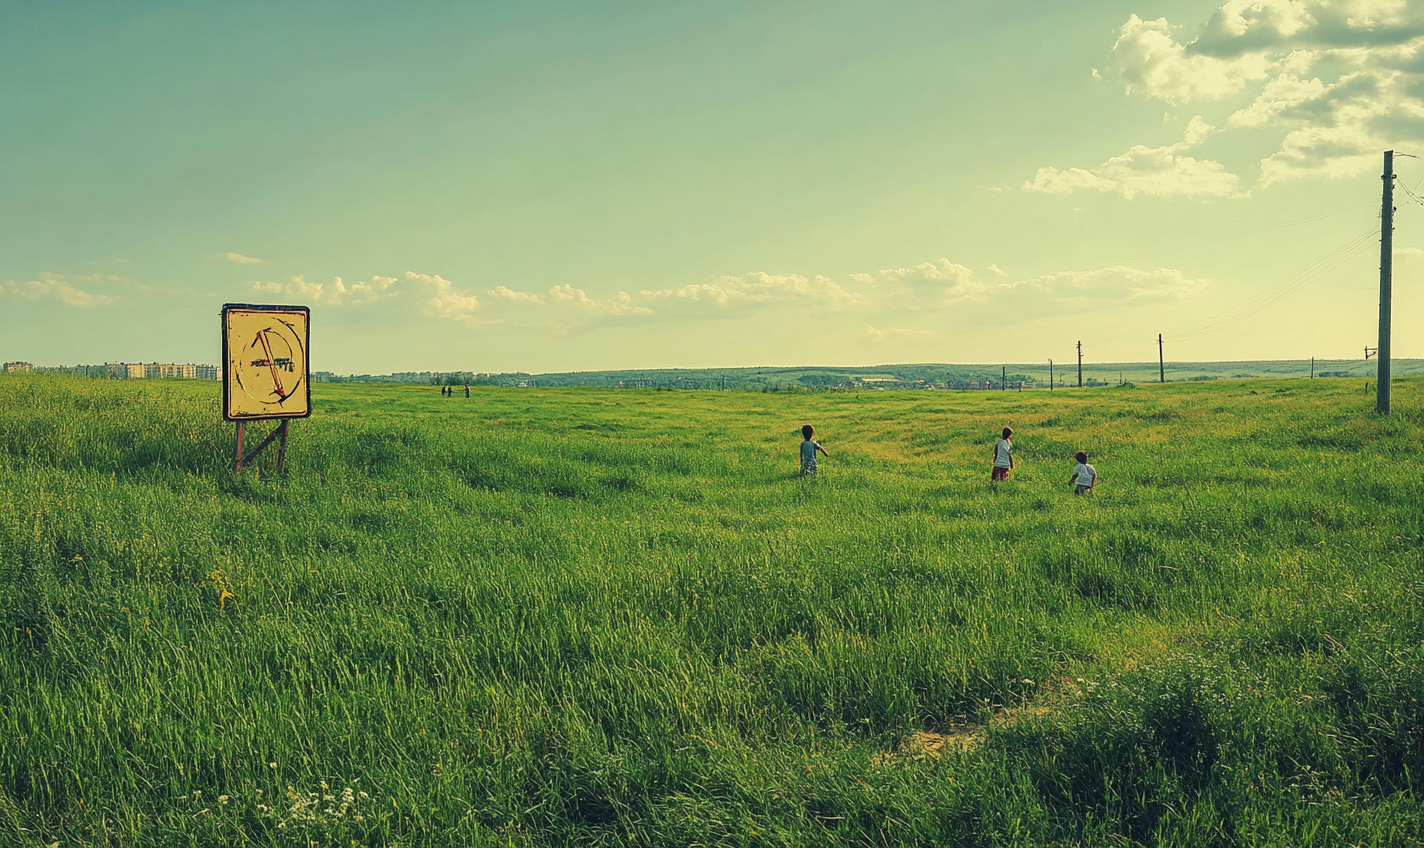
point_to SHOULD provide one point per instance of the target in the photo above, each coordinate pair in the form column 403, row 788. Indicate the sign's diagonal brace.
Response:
column 280, row 430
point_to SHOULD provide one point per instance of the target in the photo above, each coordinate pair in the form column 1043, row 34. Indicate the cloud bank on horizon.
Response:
column 1339, row 81
column 929, row 287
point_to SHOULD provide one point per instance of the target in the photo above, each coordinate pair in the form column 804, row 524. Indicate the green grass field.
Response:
column 602, row 617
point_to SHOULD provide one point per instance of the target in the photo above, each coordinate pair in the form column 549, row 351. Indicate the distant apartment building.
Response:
column 17, row 366
column 152, row 371
column 177, row 372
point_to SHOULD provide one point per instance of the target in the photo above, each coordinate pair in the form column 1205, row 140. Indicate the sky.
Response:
column 542, row 186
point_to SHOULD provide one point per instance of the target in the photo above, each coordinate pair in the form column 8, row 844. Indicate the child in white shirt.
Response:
column 1003, row 457
column 1085, row 476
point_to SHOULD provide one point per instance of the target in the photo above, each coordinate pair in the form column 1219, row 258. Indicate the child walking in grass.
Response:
column 1085, row 476
column 808, row 451
column 1003, row 456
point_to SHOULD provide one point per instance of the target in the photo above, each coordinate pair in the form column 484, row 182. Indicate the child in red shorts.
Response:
column 1003, row 457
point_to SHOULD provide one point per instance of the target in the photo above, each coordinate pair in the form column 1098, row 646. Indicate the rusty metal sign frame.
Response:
column 303, row 385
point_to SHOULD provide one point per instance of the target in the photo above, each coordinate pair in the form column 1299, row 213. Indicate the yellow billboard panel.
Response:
column 265, row 370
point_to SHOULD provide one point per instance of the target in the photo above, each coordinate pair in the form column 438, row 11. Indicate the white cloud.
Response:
column 1150, row 60
column 1113, row 285
column 436, row 295
column 931, row 284
column 505, row 293
column 440, row 297
column 880, row 335
column 1281, row 95
column 55, row 287
column 1276, row 27
column 1341, row 80
column 576, row 298
column 567, row 305
column 757, row 288
column 239, row 259
column 1335, row 130
column 1153, row 171
column 333, row 293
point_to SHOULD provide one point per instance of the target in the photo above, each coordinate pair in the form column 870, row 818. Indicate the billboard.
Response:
column 265, row 369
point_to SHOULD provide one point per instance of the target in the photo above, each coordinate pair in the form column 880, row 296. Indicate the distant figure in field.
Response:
column 1003, row 457
column 808, row 451
column 467, row 392
column 1085, row 476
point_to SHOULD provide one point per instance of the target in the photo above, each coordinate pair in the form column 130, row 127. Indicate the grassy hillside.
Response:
column 584, row 616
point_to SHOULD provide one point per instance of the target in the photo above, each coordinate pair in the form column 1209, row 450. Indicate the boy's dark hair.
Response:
column 1081, row 456
column 807, row 431
column 1008, row 431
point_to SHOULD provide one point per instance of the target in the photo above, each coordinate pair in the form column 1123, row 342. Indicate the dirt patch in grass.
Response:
column 961, row 738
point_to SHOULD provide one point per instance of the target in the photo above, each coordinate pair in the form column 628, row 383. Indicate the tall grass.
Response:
column 617, row 617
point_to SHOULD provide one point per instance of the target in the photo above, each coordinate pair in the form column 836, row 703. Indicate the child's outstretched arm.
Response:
column 823, row 451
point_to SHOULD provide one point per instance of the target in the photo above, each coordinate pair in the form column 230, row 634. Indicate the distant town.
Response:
column 124, row 370
column 924, row 376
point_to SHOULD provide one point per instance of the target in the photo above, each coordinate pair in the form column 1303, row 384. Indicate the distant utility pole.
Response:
column 1386, row 264
column 1050, row 375
column 1004, row 379
column 1312, row 368
column 1080, row 363
column 1161, row 369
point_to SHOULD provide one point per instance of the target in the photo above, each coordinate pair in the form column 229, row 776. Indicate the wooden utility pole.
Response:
column 1161, row 369
column 1004, row 379
column 1312, row 368
column 1386, row 265
column 1050, row 375
column 1080, row 363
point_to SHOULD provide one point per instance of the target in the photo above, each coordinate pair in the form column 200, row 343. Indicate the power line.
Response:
column 1283, row 288
column 1310, row 219
column 1156, row 316
column 1412, row 196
